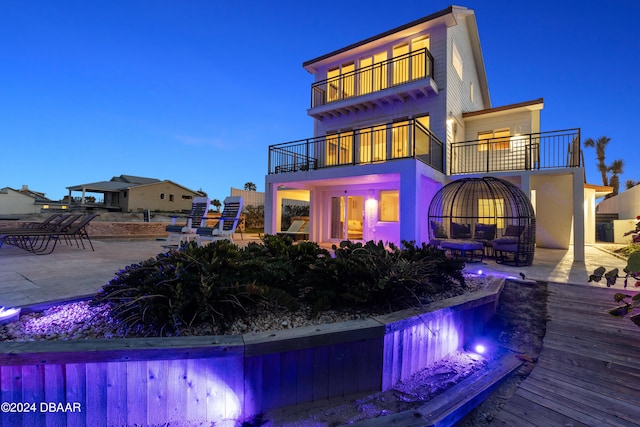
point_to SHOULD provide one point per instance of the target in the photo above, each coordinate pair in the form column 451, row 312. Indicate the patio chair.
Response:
column 298, row 230
column 197, row 218
column 43, row 242
column 227, row 223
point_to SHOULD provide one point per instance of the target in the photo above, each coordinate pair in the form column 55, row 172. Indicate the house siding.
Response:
column 15, row 203
column 148, row 197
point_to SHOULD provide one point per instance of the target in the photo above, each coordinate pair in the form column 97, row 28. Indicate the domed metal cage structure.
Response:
column 488, row 210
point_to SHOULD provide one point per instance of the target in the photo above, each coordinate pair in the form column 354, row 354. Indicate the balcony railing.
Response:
column 382, row 75
column 546, row 150
column 376, row 144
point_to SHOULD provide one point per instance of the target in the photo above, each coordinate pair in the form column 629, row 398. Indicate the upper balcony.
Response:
column 408, row 76
column 545, row 150
column 400, row 140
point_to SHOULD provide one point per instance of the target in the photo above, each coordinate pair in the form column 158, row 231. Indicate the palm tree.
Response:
column 600, row 145
column 216, row 204
column 250, row 186
column 616, row 169
column 631, row 183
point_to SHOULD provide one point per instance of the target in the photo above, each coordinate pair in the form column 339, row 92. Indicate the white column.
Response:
column 578, row 215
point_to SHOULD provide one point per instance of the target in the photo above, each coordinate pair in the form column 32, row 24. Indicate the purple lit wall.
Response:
column 224, row 380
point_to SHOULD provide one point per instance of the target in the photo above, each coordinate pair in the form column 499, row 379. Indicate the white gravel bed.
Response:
column 80, row 320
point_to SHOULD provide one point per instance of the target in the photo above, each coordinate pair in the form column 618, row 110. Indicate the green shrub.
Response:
column 220, row 282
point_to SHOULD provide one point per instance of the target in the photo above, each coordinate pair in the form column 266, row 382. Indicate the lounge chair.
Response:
column 227, row 223
column 42, row 242
column 298, row 230
column 185, row 232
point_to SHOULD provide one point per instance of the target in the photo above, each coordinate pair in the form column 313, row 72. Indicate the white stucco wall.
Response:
column 625, row 204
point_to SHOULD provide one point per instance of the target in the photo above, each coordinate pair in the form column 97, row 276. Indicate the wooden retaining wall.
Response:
column 227, row 379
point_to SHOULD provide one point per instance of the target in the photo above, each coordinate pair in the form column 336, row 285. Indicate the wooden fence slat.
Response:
column 136, row 383
column 176, row 390
column 117, row 393
column 157, row 384
column 304, row 393
column 271, row 381
column 320, row 373
column 197, row 396
column 76, row 393
column 33, row 392
column 288, row 378
column 54, row 392
column 336, row 370
column 96, row 402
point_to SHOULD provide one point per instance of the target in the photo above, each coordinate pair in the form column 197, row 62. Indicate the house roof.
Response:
column 39, row 197
column 536, row 104
column 411, row 24
column 601, row 190
column 123, row 182
column 131, row 179
column 450, row 17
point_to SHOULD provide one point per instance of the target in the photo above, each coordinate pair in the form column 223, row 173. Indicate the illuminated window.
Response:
column 348, row 80
column 456, row 60
column 471, row 91
column 390, row 206
column 494, row 140
column 419, row 60
column 339, row 148
column 333, row 84
column 373, row 144
column 400, row 64
column 400, row 140
column 491, row 211
column 373, row 73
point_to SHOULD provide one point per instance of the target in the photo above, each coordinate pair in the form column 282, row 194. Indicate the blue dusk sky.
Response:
column 196, row 91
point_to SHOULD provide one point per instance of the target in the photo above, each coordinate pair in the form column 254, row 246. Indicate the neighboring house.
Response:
column 626, row 206
column 128, row 193
column 256, row 198
column 24, row 201
column 400, row 114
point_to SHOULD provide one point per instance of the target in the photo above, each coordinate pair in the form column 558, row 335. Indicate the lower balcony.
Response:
column 400, row 140
column 545, row 150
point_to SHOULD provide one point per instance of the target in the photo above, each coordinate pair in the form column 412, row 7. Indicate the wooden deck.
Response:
column 588, row 373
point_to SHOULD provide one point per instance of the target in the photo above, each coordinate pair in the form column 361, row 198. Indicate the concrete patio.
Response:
column 69, row 272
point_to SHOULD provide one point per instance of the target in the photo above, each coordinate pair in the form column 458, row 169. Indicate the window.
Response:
column 456, row 61
column 390, row 206
column 400, row 140
column 373, row 144
column 186, row 197
column 171, row 197
column 400, row 63
column 491, row 211
column 161, row 196
column 471, row 91
column 494, row 140
column 372, row 74
column 419, row 61
column 339, row 148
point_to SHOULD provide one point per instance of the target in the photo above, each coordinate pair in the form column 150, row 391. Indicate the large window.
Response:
column 419, row 61
column 390, row 206
column 400, row 64
column 373, row 144
column 499, row 139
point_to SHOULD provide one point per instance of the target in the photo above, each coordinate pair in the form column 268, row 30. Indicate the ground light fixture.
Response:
column 8, row 315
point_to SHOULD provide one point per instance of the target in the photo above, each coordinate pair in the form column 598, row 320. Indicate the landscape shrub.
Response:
column 220, row 282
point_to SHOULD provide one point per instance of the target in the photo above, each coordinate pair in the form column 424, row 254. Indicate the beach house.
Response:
column 400, row 114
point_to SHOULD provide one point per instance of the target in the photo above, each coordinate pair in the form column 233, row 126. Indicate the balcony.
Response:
column 409, row 139
column 406, row 76
column 547, row 150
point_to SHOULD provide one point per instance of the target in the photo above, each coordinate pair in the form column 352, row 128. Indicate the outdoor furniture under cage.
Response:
column 492, row 213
